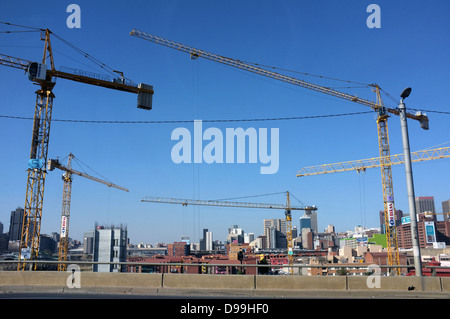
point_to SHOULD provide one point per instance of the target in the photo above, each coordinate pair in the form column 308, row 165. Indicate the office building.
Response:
column 203, row 240
column 178, row 249
column 209, row 241
column 47, row 244
column 15, row 224
column 307, row 239
column 109, row 245
column 429, row 232
column 305, row 223
column 275, row 231
column 425, row 204
column 235, row 234
column 446, row 210
column 88, row 242
column 314, row 226
column 249, row 237
column 398, row 219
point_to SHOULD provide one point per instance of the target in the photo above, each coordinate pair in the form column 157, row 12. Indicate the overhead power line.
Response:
column 191, row 121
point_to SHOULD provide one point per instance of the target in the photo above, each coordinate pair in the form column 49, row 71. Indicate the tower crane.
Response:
column 378, row 106
column 363, row 164
column 287, row 208
column 67, row 195
column 43, row 74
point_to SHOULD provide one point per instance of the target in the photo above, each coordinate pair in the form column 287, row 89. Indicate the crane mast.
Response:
column 286, row 207
column 43, row 74
column 65, row 216
column 66, row 201
column 378, row 106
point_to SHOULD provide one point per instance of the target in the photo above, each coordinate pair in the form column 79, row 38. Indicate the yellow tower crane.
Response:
column 43, row 74
column 66, row 201
column 363, row 164
column 378, row 106
column 287, row 208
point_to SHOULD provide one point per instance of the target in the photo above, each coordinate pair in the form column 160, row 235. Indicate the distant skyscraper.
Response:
column 15, row 225
column 209, row 241
column 305, row 222
column 398, row 219
column 314, row 226
column 235, row 234
column 446, row 210
column 275, row 231
column 203, row 240
column 425, row 204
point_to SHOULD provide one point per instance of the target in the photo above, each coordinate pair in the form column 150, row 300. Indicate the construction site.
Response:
column 200, row 135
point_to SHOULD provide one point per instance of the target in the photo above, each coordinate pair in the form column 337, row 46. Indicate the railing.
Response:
column 331, row 269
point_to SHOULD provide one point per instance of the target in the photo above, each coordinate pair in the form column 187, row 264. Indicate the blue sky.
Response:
column 328, row 38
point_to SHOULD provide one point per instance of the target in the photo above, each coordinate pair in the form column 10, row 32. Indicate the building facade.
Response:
column 275, row 231
column 109, row 245
column 446, row 209
column 15, row 224
column 425, row 204
column 178, row 249
column 429, row 233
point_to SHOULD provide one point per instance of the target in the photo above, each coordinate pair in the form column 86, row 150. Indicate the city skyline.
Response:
column 132, row 147
column 278, row 223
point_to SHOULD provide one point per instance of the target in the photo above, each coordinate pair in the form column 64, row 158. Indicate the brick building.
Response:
column 178, row 249
column 441, row 230
column 381, row 259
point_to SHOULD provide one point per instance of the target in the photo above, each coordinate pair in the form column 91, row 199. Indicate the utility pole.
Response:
column 410, row 184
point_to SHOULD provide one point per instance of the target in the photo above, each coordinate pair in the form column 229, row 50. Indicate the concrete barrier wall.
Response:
column 247, row 282
column 301, row 282
column 208, row 281
column 394, row 283
column 445, row 283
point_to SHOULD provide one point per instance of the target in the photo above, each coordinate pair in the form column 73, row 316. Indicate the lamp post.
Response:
column 409, row 184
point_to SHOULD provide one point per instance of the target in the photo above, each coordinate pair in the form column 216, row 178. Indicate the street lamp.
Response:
column 410, row 184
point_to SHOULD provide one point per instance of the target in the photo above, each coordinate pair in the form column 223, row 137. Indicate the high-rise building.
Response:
column 209, row 241
column 307, row 239
column 398, row 219
column 425, row 204
column 235, row 234
column 249, row 237
column 446, row 210
column 109, row 245
column 88, row 242
column 203, row 240
column 15, row 225
column 275, row 231
column 314, row 226
column 305, row 223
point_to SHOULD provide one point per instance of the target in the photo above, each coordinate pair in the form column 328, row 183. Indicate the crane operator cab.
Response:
column 36, row 71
